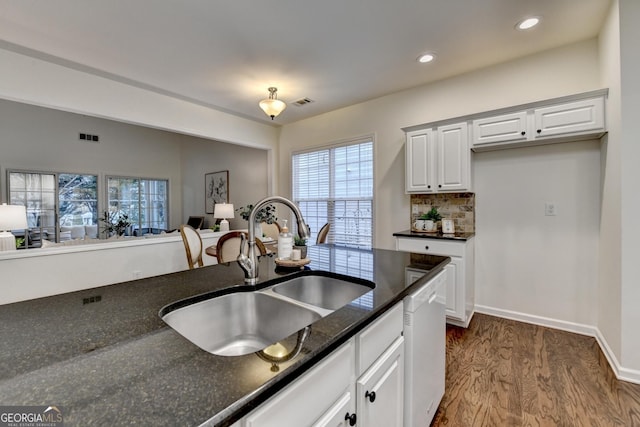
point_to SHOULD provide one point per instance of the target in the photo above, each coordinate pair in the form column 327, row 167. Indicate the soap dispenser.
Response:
column 285, row 242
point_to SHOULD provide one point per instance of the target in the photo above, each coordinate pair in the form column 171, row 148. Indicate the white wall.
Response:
column 248, row 174
column 630, row 177
column 515, row 270
column 610, row 257
column 44, row 139
column 36, row 138
column 527, row 262
column 563, row 71
column 30, row 79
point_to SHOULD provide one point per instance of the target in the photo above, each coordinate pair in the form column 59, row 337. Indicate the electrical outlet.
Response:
column 550, row 209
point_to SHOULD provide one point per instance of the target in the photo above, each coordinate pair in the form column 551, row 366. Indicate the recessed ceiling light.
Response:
column 426, row 57
column 527, row 23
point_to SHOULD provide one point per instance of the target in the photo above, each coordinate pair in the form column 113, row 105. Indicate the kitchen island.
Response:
column 105, row 356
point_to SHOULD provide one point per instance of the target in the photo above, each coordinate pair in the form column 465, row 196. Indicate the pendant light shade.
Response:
column 272, row 106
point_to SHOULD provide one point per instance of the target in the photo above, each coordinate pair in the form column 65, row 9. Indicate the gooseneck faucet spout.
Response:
column 249, row 262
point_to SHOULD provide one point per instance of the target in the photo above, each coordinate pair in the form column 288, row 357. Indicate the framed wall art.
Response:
column 216, row 189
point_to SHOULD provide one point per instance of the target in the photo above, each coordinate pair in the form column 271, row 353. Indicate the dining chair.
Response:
column 228, row 246
column 270, row 230
column 323, row 233
column 192, row 245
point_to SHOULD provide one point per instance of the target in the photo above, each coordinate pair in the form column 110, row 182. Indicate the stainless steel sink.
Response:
column 239, row 323
column 328, row 292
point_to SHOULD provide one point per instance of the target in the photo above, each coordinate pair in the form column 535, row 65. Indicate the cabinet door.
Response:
column 341, row 414
column 506, row 128
column 586, row 115
column 380, row 390
column 453, row 157
column 455, row 288
column 419, row 162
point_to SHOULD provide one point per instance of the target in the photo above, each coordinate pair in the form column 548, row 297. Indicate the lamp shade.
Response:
column 223, row 210
column 272, row 106
column 13, row 217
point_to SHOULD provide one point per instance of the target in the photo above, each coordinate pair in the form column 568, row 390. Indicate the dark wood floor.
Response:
column 506, row 373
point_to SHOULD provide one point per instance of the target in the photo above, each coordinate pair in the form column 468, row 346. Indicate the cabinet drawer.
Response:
column 430, row 246
column 375, row 339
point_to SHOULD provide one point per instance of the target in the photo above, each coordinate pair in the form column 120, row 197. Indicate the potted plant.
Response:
column 114, row 223
column 266, row 214
column 300, row 243
column 431, row 219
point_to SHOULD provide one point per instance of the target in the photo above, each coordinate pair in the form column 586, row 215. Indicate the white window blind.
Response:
column 335, row 185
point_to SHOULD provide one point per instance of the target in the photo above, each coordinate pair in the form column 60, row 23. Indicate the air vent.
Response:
column 88, row 137
column 302, row 101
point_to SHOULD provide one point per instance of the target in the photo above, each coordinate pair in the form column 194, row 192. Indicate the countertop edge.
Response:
column 438, row 236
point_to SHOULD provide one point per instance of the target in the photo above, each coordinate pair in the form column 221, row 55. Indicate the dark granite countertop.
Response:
column 455, row 236
column 106, row 358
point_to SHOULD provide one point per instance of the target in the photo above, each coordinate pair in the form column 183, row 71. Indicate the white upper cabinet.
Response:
column 505, row 128
column 453, row 158
column 420, row 155
column 570, row 119
column 438, row 159
column 586, row 115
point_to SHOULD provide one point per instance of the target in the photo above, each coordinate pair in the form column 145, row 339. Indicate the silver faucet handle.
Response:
column 243, row 242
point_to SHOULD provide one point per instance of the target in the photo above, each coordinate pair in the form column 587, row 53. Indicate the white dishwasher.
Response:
column 425, row 348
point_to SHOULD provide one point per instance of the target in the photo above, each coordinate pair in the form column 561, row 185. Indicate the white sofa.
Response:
column 75, row 232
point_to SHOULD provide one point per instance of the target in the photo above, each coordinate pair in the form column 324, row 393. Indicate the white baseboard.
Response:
column 621, row 373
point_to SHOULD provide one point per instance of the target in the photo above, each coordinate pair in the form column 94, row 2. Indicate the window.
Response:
column 335, row 185
column 72, row 198
column 145, row 201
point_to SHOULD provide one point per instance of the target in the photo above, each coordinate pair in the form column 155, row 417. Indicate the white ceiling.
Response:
column 226, row 53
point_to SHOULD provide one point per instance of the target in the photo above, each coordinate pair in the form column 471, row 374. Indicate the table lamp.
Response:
column 224, row 211
column 12, row 217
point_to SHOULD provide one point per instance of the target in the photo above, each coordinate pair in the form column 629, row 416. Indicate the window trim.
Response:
column 141, row 178
column 56, row 174
column 338, row 144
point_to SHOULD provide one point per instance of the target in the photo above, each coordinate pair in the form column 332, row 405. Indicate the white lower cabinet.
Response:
column 380, row 390
column 341, row 414
column 460, row 288
column 310, row 397
column 360, row 384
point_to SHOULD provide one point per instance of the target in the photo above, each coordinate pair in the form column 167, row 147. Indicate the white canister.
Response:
column 418, row 224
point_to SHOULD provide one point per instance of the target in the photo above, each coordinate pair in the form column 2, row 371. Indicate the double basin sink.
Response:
column 245, row 322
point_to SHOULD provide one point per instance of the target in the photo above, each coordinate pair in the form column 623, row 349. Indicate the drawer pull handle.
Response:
column 351, row 419
column 371, row 396
column 426, row 248
column 523, row 133
column 539, row 131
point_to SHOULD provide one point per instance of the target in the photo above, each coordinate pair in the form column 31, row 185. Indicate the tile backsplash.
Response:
column 457, row 206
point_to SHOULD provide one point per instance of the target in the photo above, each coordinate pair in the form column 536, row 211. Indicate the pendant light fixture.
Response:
column 272, row 106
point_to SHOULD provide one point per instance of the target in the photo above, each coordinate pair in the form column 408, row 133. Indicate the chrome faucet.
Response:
column 249, row 262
